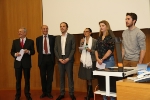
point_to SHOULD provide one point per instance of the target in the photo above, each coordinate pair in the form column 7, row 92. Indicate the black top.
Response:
column 102, row 46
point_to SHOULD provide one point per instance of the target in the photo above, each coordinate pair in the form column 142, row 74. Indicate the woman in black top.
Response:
column 105, row 47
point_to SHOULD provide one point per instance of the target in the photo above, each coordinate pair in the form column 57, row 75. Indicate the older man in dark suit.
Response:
column 64, row 51
column 46, row 60
column 27, row 46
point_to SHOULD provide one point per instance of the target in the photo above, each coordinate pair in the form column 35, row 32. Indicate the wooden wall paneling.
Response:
column 147, row 33
column 34, row 19
column 17, row 14
column 2, row 25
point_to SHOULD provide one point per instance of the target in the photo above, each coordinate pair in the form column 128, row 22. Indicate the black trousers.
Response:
column 18, row 74
column 46, row 73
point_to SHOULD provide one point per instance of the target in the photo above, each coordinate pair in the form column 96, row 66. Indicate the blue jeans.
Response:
column 109, row 63
column 111, row 98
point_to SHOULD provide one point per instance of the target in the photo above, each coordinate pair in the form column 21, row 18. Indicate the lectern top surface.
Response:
column 114, row 70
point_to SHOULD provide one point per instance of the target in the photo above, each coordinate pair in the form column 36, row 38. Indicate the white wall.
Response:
column 80, row 14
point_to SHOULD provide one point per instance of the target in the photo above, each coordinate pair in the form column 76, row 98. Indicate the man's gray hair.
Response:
column 25, row 30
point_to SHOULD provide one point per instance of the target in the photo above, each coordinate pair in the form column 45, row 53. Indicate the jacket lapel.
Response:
column 59, row 41
column 67, row 39
column 25, row 44
column 50, row 41
column 18, row 43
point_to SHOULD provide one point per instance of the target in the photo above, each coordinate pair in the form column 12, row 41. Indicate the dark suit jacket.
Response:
column 26, row 59
column 39, row 46
column 69, row 47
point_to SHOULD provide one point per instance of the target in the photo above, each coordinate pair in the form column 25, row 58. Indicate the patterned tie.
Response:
column 22, row 44
column 45, row 45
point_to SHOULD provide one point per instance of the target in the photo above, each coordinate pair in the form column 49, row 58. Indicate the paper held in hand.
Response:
column 20, row 57
column 102, row 66
column 81, row 48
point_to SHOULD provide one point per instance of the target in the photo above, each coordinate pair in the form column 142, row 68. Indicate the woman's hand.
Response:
column 100, row 61
column 82, row 41
column 87, row 49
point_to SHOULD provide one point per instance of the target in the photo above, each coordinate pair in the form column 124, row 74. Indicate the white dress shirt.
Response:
column 63, row 43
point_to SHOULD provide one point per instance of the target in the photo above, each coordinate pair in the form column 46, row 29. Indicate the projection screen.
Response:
column 81, row 14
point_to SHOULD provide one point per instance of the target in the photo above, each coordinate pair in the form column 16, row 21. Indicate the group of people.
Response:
column 63, row 48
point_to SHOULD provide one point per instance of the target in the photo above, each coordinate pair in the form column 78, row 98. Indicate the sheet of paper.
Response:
column 102, row 66
column 81, row 48
column 132, row 78
column 20, row 57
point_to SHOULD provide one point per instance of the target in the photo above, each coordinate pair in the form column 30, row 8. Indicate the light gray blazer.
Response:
column 69, row 47
column 92, row 49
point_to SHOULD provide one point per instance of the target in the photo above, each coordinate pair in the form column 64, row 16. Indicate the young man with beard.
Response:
column 64, row 52
column 133, row 44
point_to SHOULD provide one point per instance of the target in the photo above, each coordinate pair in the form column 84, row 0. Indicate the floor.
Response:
column 35, row 94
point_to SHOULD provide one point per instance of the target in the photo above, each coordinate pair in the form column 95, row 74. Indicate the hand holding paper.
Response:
column 20, row 57
column 102, row 66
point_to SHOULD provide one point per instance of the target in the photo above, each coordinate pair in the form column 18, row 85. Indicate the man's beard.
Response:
column 130, row 25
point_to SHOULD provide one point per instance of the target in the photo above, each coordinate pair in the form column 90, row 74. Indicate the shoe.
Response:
column 43, row 95
column 60, row 97
column 28, row 97
column 90, row 93
column 73, row 97
column 17, row 98
column 49, row 96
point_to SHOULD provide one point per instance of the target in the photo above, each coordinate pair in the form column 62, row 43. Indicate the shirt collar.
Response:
column 45, row 35
column 65, row 34
column 23, row 39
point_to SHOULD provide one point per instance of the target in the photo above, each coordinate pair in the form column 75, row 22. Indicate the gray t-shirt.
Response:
column 133, row 42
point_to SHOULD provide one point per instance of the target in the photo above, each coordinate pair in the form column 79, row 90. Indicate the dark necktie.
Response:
column 45, row 45
column 22, row 44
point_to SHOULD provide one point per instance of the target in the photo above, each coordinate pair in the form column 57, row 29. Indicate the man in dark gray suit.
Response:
column 64, row 52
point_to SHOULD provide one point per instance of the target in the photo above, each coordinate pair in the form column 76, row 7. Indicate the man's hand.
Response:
column 66, row 60
column 17, row 54
column 61, row 60
column 140, row 62
column 26, row 51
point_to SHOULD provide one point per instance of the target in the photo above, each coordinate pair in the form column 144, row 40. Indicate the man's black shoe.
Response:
column 17, row 98
column 73, row 97
column 43, row 95
column 49, row 96
column 28, row 97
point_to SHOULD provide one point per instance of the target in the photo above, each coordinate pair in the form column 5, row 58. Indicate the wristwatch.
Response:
column 102, row 59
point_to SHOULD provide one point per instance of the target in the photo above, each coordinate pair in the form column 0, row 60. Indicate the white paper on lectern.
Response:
column 20, row 57
column 102, row 66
